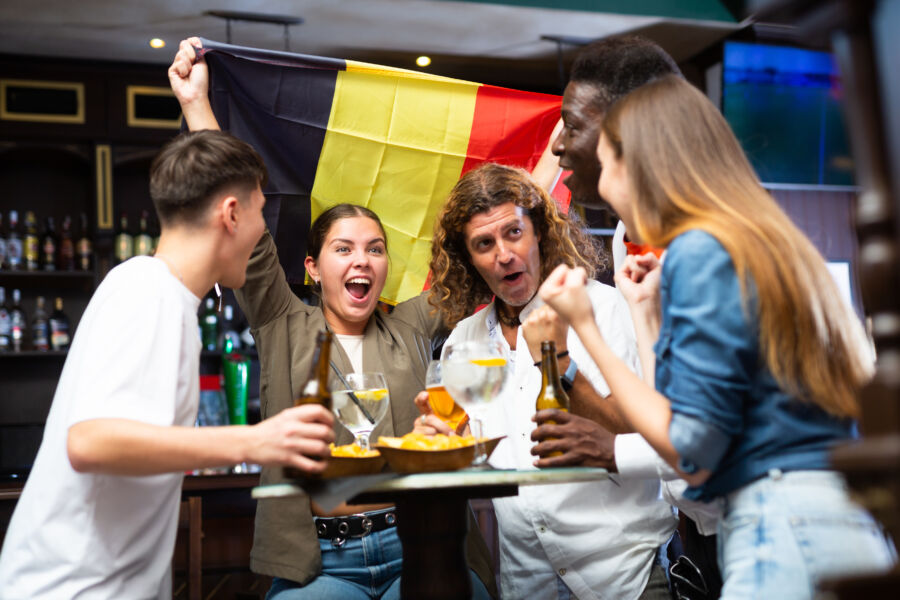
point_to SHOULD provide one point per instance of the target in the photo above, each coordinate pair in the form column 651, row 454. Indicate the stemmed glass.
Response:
column 360, row 401
column 443, row 405
column 474, row 374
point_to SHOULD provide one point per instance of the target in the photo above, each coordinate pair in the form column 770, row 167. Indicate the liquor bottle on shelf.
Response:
column 18, row 323
column 230, row 339
column 59, row 327
column 66, row 255
column 143, row 242
column 84, row 248
column 49, row 246
column 2, row 244
column 14, row 248
column 124, row 241
column 552, row 394
column 209, row 326
column 5, row 327
column 315, row 390
column 40, row 327
column 32, row 243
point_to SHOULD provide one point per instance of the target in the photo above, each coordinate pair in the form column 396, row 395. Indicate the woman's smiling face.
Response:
column 352, row 268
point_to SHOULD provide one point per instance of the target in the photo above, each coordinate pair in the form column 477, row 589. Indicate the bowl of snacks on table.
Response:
column 351, row 459
column 420, row 453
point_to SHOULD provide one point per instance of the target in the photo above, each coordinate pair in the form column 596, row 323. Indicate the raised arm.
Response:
column 645, row 409
column 189, row 78
column 546, row 172
column 266, row 294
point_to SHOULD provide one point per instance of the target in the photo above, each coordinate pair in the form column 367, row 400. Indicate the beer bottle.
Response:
column 2, row 244
column 209, row 326
column 66, row 255
column 124, row 241
column 32, row 243
column 14, row 249
column 40, row 327
column 84, row 248
column 143, row 242
column 5, row 325
column 18, row 323
column 49, row 245
column 59, row 327
column 315, row 390
column 552, row 394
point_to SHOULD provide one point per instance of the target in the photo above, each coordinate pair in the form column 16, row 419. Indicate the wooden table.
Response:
column 431, row 517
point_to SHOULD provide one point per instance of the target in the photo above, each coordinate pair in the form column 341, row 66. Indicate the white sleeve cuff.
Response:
column 636, row 459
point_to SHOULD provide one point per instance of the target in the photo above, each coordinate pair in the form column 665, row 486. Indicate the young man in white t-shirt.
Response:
column 98, row 515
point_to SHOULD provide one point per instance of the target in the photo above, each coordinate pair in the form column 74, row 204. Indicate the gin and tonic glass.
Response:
column 475, row 373
column 360, row 401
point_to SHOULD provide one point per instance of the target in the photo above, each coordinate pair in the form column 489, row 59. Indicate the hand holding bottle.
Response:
column 297, row 437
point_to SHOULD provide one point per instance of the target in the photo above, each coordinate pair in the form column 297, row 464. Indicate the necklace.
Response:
column 505, row 320
column 170, row 265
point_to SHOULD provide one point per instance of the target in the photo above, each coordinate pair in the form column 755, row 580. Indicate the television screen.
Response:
column 784, row 106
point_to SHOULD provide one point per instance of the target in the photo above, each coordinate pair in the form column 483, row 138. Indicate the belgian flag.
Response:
column 396, row 141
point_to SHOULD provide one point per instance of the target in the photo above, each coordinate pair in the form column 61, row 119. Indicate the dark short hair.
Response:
column 322, row 225
column 193, row 167
column 618, row 65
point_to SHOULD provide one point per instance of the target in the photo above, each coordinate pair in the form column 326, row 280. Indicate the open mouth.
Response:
column 358, row 287
column 514, row 278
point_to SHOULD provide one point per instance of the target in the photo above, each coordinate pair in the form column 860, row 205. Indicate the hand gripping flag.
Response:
column 395, row 141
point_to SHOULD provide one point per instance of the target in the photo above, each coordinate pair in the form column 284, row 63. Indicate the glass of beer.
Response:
column 443, row 405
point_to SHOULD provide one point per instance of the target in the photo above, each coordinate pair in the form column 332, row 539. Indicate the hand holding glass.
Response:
column 440, row 400
column 475, row 373
column 360, row 402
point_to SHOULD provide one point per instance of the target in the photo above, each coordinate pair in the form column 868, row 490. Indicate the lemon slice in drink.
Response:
column 372, row 395
column 489, row 362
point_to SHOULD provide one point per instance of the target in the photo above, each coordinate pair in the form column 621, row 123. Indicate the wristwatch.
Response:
column 568, row 378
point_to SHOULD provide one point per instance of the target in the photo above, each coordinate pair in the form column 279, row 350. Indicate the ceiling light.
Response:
column 423, row 61
column 157, row 43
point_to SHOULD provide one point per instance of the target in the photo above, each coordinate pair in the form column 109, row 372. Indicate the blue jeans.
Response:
column 365, row 568
column 783, row 533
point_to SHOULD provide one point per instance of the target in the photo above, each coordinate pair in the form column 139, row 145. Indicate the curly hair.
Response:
column 456, row 286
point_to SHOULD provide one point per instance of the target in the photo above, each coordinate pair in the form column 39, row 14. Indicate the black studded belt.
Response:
column 339, row 529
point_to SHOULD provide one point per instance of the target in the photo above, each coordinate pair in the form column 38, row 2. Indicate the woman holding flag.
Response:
column 306, row 550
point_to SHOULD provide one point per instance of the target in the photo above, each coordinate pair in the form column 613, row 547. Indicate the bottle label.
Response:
column 14, row 252
column 49, row 255
column 143, row 245
column 124, row 247
column 40, row 340
column 31, row 252
column 5, row 329
column 59, row 338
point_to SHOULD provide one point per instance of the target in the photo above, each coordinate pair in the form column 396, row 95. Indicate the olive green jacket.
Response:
column 399, row 344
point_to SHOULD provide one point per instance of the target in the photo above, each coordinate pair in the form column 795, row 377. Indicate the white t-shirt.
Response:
column 82, row 535
column 600, row 538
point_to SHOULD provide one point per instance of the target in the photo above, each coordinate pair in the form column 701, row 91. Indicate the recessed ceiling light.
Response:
column 423, row 61
column 157, row 43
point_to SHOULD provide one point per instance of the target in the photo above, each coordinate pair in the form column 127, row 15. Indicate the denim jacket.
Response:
column 728, row 413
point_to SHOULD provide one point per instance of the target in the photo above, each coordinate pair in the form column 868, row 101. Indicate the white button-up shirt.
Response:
column 599, row 537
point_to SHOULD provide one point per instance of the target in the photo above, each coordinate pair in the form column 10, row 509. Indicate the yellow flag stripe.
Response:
column 395, row 144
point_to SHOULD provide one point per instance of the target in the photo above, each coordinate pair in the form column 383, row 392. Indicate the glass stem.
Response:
column 480, row 454
column 362, row 440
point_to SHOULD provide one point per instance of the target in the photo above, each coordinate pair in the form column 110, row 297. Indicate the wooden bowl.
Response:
column 345, row 466
column 402, row 460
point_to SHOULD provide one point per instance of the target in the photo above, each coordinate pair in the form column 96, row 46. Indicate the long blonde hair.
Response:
column 689, row 172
